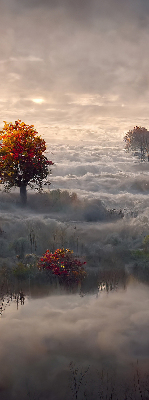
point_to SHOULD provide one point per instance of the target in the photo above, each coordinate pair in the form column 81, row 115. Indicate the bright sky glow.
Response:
column 38, row 101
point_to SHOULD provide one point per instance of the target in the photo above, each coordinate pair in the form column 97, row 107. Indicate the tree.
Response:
column 138, row 140
column 22, row 161
column 63, row 264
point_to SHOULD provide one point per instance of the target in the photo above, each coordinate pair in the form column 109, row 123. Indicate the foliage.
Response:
column 142, row 253
column 139, row 254
column 138, row 139
column 22, row 161
column 63, row 264
column 22, row 271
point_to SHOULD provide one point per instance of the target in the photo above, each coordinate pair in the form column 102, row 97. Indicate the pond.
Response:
column 63, row 344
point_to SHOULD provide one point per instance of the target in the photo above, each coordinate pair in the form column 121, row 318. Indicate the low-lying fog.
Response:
column 96, row 205
column 49, row 343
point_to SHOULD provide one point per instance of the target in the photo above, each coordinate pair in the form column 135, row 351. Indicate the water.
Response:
column 47, row 343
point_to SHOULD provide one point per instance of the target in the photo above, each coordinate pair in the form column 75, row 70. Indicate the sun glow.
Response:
column 38, row 101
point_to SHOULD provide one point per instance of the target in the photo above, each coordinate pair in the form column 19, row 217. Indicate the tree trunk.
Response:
column 23, row 194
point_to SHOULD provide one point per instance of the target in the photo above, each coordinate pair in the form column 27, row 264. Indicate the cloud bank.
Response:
column 86, row 60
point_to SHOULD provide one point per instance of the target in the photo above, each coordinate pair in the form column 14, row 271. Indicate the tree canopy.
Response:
column 22, row 161
column 137, row 139
column 63, row 264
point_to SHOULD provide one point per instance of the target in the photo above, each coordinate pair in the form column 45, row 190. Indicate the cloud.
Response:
column 95, row 51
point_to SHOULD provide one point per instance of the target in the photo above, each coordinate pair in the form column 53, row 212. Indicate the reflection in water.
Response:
column 43, row 283
column 66, row 346
column 6, row 300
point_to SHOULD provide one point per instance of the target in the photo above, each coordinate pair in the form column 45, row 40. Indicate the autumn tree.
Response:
column 137, row 139
column 22, row 159
column 63, row 264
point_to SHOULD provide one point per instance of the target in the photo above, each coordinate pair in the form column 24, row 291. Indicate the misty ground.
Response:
column 104, row 236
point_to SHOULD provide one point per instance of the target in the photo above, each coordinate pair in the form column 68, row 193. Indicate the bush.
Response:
column 63, row 264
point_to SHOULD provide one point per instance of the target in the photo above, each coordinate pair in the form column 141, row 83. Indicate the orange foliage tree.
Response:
column 22, row 161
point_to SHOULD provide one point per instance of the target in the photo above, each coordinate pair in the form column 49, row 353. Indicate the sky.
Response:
column 82, row 63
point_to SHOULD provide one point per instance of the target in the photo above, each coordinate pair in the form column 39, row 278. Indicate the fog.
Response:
column 78, row 71
column 96, row 205
column 108, row 332
column 97, row 194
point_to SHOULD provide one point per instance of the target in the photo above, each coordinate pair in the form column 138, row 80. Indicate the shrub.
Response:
column 63, row 264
